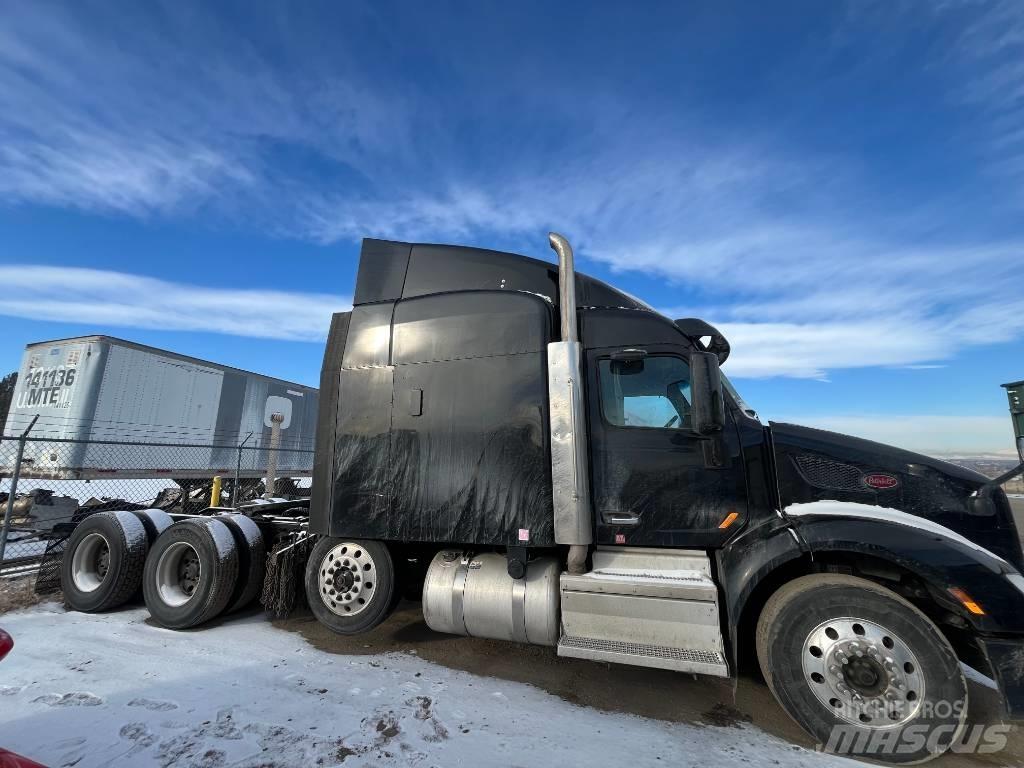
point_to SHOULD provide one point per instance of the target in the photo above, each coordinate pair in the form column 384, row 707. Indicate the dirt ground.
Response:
column 18, row 593
column 663, row 695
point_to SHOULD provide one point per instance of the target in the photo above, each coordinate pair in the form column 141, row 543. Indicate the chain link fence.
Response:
column 48, row 485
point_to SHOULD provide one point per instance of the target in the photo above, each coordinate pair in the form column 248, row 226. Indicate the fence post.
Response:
column 14, row 489
column 237, row 490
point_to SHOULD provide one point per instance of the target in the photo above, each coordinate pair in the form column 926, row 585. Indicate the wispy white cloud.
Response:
column 96, row 297
column 766, row 239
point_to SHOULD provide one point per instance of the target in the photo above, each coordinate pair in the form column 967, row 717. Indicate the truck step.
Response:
column 682, row 585
column 640, row 655
column 649, row 607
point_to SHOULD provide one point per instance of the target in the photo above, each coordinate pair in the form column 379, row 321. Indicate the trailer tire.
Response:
column 853, row 662
column 190, row 573
column 155, row 521
column 103, row 562
column 252, row 560
column 340, row 573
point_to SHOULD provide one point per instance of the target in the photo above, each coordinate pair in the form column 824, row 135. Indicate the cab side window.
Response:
column 651, row 392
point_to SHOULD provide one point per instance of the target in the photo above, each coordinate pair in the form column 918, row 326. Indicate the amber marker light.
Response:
column 729, row 520
column 966, row 601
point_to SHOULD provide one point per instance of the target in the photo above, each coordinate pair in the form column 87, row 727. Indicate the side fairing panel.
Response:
column 360, row 497
column 441, row 421
column 472, row 467
column 327, row 415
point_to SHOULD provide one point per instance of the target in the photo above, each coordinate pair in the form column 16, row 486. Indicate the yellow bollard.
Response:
column 215, row 493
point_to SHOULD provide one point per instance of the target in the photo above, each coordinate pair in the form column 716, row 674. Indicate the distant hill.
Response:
column 990, row 466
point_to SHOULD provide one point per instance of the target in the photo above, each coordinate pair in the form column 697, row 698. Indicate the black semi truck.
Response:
column 545, row 459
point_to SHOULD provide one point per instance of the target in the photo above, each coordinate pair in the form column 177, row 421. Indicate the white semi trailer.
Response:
column 94, row 395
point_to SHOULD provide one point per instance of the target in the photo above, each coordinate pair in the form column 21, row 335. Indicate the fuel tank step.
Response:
column 639, row 655
column 648, row 607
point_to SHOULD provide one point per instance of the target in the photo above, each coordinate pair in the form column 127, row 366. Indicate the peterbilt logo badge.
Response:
column 880, row 482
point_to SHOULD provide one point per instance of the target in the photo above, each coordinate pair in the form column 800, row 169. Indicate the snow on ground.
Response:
column 111, row 689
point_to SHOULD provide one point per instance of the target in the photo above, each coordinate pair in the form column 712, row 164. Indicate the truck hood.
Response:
column 816, row 465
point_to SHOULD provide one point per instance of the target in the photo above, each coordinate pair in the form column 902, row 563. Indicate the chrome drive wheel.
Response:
column 347, row 576
column 350, row 584
column 861, row 669
column 865, row 672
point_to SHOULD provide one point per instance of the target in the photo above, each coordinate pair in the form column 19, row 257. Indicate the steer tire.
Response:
column 373, row 580
column 190, row 573
column 861, row 669
column 155, row 521
column 252, row 560
column 103, row 561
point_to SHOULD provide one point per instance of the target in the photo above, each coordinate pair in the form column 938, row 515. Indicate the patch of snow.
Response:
column 245, row 693
column 885, row 514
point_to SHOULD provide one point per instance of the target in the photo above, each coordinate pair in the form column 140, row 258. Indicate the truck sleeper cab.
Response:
column 561, row 465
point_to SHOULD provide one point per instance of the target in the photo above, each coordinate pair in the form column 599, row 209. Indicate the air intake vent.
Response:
column 826, row 473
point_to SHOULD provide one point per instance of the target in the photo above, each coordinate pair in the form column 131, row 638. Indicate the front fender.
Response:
column 940, row 556
column 746, row 560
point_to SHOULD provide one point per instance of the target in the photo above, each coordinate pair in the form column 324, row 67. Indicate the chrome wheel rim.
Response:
column 347, row 579
column 90, row 563
column 178, row 572
column 863, row 673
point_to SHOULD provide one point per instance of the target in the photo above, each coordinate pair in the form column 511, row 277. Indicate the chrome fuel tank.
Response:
column 467, row 594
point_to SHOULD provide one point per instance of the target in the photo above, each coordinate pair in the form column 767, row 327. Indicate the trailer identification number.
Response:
column 47, row 388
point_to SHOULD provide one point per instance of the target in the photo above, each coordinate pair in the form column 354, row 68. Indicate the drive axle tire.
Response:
column 103, row 562
column 252, row 560
column 155, row 521
column 861, row 669
column 190, row 573
column 350, row 584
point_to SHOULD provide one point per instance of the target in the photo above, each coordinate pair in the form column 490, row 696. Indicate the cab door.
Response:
column 654, row 481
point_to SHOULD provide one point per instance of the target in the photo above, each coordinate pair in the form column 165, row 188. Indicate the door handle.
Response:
column 618, row 518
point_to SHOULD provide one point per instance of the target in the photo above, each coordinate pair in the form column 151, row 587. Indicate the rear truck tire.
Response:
column 190, row 573
column 861, row 669
column 103, row 562
column 350, row 584
column 155, row 521
column 252, row 560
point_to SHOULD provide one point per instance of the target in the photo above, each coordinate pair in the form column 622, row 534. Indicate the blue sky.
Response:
column 838, row 187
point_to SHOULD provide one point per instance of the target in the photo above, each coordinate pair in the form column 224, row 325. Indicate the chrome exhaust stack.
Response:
column 569, row 468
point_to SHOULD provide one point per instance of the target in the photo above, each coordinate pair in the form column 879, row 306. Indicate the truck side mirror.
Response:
column 708, row 406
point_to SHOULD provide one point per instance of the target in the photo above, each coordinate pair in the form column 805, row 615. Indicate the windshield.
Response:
column 736, row 396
